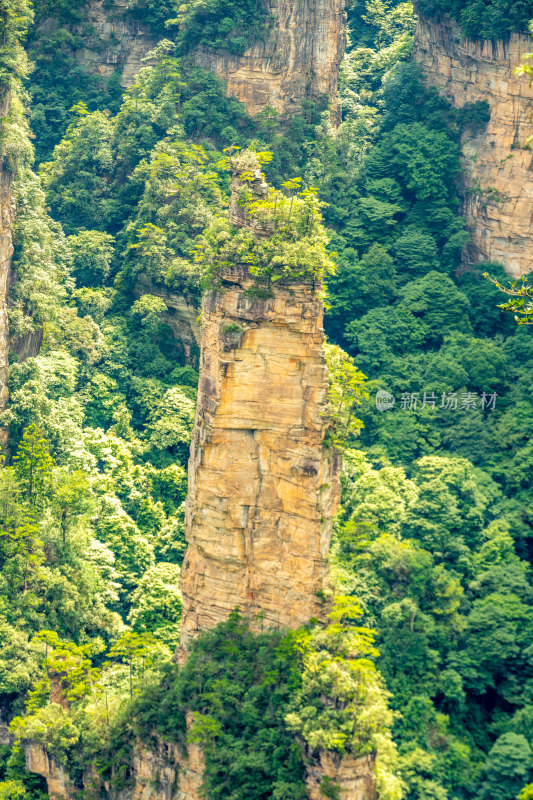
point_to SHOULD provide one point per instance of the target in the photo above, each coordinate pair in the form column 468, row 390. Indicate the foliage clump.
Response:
column 491, row 19
column 283, row 237
column 345, row 395
column 220, row 24
column 521, row 304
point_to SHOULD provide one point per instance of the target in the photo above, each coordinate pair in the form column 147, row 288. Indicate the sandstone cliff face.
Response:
column 112, row 40
column 299, row 57
column 355, row 777
column 157, row 773
column 41, row 763
column 7, row 217
column 262, row 489
column 162, row 773
column 498, row 179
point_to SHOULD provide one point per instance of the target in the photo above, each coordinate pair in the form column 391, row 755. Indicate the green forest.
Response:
column 122, row 198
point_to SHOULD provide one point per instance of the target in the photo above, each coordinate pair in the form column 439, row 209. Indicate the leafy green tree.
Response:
column 338, row 664
column 133, row 552
column 156, row 603
column 77, row 180
column 92, row 254
column 521, row 304
column 494, row 19
column 70, row 666
column 137, row 650
column 220, row 24
column 170, row 427
column 24, row 555
column 33, row 464
column 346, row 390
column 508, row 765
column 13, row 790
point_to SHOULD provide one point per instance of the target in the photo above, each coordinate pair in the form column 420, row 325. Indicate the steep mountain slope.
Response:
column 497, row 181
column 297, row 59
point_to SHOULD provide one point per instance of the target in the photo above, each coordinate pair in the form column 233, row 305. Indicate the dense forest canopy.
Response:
column 433, row 541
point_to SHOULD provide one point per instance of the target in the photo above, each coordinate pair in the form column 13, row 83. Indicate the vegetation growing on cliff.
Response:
column 220, row 24
column 434, row 534
column 490, row 19
column 245, row 695
column 283, row 239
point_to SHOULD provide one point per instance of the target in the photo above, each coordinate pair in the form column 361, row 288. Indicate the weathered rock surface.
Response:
column 41, row 763
column 5, row 736
column 112, row 40
column 299, row 57
column 7, row 217
column 498, row 179
column 181, row 317
column 355, row 777
column 262, row 487
column 158, row 773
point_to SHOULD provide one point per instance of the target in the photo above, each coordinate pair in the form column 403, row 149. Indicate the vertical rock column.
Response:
column 262, row 487
column 7, row 217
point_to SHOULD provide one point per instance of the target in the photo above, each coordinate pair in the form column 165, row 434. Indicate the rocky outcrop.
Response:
column 160, row 772
column 299, row 57
column 119, row 42
column 262, row 487
column 354, row 778
column 113, row 40
column 41, row 763
column 7, row 217
column 5, row 737
column 163, row 773
column 497, row 192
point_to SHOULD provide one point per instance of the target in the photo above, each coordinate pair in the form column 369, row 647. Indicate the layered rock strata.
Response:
column 161, row 773
column 262, row 488
column 42, row 763
column 355, row 778
column 497, row 190
column 157, row 773
column 299, row 57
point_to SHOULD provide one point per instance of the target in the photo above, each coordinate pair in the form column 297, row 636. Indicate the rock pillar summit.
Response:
column 262, row 486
